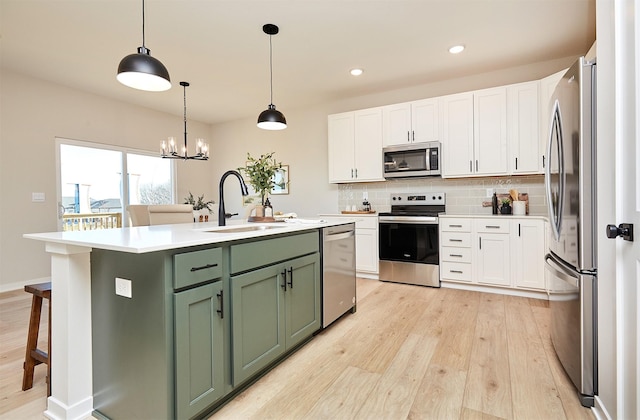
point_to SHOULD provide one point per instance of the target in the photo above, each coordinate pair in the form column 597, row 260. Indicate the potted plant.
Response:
column 199, row 206
column 506, row 206
column 260, row 172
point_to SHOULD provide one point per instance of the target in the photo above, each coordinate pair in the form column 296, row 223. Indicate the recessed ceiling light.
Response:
column 456, row 49
column 356, row 72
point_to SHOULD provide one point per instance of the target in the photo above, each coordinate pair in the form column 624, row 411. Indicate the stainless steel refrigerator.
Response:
column 570, row 181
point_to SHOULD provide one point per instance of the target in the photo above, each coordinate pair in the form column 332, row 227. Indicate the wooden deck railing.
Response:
column 91, row 221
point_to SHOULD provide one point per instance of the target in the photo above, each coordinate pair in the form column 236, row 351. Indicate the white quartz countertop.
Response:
column 163, row 237
column 492, row 216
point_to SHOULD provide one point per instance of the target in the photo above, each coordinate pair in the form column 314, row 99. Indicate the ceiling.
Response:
column 218, row 46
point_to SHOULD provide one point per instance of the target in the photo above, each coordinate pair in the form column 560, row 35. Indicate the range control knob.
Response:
column 439, row 197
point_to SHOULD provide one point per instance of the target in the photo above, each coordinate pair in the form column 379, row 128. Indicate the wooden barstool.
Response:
column 34, row 356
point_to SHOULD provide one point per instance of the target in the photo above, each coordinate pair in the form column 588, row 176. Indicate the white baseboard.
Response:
column 498, row 290
column 367, row 275
column 20, row 285
column 599, row 410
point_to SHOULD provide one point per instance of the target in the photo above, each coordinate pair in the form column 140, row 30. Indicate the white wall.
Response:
column 34, row 112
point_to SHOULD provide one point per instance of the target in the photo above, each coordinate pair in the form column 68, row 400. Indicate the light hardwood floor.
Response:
column 409, row 352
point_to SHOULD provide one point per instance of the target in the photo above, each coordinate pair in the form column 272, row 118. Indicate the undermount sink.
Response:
column 242, row 229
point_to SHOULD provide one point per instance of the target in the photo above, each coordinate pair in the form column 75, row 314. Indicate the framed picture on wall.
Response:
column 281, row 181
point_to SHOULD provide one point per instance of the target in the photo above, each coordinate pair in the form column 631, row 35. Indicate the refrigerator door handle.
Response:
column 560, row 271
column 555, row 131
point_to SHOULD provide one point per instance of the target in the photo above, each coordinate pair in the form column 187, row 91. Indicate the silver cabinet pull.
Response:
column 455, row 271
column 455, row 255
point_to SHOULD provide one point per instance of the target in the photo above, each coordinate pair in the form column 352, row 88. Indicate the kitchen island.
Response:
column 167, row 321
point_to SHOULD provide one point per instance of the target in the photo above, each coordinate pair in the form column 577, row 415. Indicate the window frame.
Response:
column 124, row 192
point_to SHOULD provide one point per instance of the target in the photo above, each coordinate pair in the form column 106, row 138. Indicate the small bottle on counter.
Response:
column 494, row 203
column 268, row 209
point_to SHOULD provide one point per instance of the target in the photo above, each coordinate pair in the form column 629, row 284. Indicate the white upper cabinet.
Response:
column 523, row 125
column 355, row 146
column 396, row 124
column 341, row 146
column 490, row 131
column 456, row 112
column 474, row 133
column 411, row 122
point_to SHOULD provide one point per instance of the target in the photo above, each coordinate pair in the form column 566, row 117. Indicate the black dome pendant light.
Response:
column 141, row 71
column 270, row 118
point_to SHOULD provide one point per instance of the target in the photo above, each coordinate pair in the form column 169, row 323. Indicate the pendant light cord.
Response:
column 143, row 43
column 270, row 70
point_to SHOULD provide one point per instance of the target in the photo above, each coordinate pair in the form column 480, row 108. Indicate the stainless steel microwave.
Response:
column 414, row 159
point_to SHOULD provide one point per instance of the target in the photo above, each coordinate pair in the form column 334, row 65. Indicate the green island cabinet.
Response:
column 275, row 300
column 201, row 322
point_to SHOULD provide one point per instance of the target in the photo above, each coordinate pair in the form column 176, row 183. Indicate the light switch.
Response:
column 37, row 197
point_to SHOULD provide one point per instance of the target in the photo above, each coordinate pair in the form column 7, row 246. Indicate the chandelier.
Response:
column 169, row 148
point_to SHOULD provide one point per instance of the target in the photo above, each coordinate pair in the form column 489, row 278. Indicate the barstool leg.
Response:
column 32, row 342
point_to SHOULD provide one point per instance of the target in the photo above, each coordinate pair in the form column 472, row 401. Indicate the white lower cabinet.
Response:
column 528, row 249
column 494, row 251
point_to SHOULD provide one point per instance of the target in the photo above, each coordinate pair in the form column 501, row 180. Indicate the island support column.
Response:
column 71, row 351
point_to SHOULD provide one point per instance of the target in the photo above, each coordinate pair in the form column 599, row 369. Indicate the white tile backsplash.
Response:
column 464, row 195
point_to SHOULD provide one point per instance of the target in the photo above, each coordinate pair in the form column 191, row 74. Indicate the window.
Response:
column 93, row 192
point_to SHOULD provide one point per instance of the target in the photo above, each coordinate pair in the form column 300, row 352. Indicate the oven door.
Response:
column 410, row 239
column 409, row 250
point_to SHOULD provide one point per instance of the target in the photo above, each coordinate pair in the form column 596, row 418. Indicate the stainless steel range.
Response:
column 408, row 239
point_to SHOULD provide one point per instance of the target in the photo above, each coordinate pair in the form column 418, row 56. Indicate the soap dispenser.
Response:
column 268, row 209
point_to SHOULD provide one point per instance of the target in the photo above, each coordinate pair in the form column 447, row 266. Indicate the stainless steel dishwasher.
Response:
column 338, row 272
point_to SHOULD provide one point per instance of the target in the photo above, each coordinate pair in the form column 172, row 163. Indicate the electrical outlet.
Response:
column 123, row 287
column 365, row 195
column 489, row 192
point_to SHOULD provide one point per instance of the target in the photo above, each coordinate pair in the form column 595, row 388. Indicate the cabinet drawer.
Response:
column 492, row 225
column 454, row 254
column 456, row 239
column 367, row 223
column 455, row 225
column 455, row 271
column 264, row 252
column 196, row 267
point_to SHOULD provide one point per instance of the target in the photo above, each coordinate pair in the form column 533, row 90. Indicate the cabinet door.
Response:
column 493, row 259
column 457, row 134
column 425, row 122
column 523, row 125
column 199, row 349
column 368, row 145
column 367, row 250
column 302, row 298
column 257, row 309
column 490, row 131
column 341, row 147
column 527, row 240
column 396, row 124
